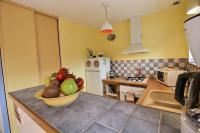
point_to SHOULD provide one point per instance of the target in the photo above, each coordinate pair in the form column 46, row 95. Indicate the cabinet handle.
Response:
column 17, row 115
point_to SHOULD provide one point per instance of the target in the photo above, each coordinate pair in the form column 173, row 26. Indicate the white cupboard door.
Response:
column 27, row 125
column 94, row 82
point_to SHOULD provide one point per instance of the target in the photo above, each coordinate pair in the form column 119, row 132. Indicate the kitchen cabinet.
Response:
column 29, row 48
column 25, row 123
column 19, row 51
column 47, row 44
column 124, row 87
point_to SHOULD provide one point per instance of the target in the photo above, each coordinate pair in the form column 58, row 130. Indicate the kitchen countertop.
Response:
column 151, row 85
column 164, row 100
column 91, row 113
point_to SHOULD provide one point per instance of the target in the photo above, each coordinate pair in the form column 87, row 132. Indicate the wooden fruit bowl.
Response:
column 59, row 101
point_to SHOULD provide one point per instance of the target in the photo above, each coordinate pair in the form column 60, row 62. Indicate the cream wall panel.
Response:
column 19, row 51
column 48, row 45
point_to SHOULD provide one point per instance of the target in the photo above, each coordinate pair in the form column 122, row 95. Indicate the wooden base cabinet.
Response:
column 25, row 124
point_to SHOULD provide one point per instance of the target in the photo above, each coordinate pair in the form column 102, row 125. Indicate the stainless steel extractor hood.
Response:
column 136, row 37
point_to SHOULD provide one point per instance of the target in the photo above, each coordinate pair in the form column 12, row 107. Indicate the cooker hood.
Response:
column 136, row 37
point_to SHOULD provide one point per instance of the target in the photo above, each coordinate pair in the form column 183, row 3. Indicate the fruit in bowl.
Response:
column 80, row 82
column 51, row 92
column 62, row 88
column 68, row 86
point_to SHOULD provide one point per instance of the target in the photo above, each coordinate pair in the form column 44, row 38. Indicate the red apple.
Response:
column 80, row 82
column 64, row 71
column 60, row 76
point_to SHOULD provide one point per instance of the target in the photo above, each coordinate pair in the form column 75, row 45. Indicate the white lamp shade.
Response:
column 194, row 7
column 194, row 10
column 107, row 27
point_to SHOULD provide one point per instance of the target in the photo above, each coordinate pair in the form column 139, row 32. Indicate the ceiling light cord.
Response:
column 106, row 11
column 106, row 27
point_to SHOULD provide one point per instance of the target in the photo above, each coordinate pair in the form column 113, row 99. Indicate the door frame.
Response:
column 3, row 101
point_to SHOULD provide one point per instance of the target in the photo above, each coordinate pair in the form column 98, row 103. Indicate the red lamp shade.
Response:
column 106, row 28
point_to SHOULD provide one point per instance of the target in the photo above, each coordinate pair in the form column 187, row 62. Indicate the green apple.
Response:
column 69, row 86
column 47, row 80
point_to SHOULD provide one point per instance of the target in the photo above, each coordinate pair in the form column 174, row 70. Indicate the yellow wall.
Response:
column 163, row 35
column 74, row 39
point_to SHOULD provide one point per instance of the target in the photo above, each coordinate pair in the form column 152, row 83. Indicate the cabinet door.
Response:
column 94, row 84
column 19, row 47
column 48, row 45
column 19, row 51
column 27, row 124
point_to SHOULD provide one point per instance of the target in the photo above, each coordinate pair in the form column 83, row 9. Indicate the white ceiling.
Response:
column 92, row 12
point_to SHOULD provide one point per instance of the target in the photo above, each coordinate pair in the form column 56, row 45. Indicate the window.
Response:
column 191, row 60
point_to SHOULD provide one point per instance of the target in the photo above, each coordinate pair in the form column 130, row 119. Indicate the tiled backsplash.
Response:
column 149, row 66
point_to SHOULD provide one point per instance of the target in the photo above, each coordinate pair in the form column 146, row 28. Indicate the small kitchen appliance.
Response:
column 190, row 98
column 168, row 76
column 112, row 74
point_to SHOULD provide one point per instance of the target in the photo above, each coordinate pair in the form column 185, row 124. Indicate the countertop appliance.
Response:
column 112, row 74
column 168, row 76
column 96, row 69
column 135, row 79
column 190, row 122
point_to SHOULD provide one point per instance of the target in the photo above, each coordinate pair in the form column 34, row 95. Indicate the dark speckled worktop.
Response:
column 95, row 114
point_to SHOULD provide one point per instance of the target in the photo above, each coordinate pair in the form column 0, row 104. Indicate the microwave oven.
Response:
column 168, row 76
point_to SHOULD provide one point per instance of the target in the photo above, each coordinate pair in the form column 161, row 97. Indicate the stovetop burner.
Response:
column 137, row 79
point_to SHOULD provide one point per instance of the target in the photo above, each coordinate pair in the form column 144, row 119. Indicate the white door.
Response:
column 94, row 82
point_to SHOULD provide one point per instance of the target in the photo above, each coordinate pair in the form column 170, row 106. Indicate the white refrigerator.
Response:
column 96, row 70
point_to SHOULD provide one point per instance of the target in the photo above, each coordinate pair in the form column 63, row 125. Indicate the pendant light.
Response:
column 106, row 27
column 194, row 7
